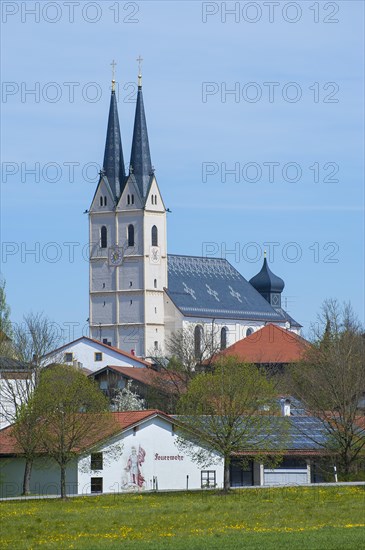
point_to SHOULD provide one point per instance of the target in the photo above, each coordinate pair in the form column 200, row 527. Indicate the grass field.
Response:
column 305, row 518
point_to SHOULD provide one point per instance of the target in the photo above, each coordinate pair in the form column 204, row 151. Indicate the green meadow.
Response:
column 302, row 518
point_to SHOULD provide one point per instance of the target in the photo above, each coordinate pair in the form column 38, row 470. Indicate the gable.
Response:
column 103, row 200
column 130, row 198
column 154, row 201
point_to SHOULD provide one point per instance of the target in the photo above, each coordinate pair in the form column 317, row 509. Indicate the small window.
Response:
column 153, row 199
column 156, row 345
column 98, row 356
column 154, row 236
column 69, row 357
column 101, row 201
column 103, row 285
column 249, row 331
column 103, row 385
column 130, row 283
column 103, row 237
column 96, row 461
column 96, row 484
column 132, row 199
column 155, row 283
column 208, row 478
column 155, row 309
column 130, row 235
column 104, row 201
column 131, row 302
column 128, row 199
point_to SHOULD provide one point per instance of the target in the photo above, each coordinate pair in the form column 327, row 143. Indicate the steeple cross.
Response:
column 212, row 292
column 113, row 64
column 139, row 60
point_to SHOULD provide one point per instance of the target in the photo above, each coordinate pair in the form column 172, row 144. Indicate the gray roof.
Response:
column 113, row 164
column 140, row 164
column 9, row 364
column 212, row 287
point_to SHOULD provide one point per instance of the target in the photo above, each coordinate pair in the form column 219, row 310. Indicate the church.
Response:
column 139, row 294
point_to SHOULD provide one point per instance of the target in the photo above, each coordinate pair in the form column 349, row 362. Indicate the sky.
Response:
column 255, row 118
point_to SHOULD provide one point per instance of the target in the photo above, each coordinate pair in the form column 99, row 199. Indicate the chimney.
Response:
column 285, row 407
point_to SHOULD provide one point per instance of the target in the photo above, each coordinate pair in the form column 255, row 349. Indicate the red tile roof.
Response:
column 120, row 422
column 270, row 344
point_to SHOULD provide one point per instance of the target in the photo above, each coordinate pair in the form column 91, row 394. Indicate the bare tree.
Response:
column 330, row 382
column 187, row 353
column 20, row 370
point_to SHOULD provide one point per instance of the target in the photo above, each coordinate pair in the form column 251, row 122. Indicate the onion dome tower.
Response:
column 269, row 285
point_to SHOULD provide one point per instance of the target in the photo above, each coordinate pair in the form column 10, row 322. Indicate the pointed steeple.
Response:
column 140, row 164
column 113, row 165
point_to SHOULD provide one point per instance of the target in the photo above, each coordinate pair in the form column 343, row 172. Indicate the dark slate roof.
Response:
column 212, row 287
column 266, row 280
column 140, row 164
column 9, row 364
column 113, row 164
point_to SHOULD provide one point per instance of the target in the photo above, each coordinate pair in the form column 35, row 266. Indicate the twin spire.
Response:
column 140, row 167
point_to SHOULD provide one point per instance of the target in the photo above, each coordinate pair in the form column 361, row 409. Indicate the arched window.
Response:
column 224, row 332
column 198, row 338
column 128, row 199
column 130, row 235
column 249, row 331
column 101, row 201
column 154, row 236
column 104, row 201
column 132, row 199
column 155, row 283
column 103, row 237
column 155, row 199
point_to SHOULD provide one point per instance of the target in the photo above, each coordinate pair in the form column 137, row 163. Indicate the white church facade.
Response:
column 139, row 294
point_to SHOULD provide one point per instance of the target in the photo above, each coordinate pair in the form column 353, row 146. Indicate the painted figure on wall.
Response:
column 133, row 467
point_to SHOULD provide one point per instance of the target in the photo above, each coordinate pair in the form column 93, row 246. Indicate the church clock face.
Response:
column 155, row 255
column 115, row 255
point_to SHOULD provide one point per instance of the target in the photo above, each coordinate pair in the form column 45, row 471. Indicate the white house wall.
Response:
column 84, row 353
column 45, row 477
column 162, row 461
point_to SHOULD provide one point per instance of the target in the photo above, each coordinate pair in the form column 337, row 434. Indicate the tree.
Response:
column 186, row 355
column 31, row 340
column 127, row 400
column 226, row 411
column 330, row 382
column 72, row 413
column 5, row 323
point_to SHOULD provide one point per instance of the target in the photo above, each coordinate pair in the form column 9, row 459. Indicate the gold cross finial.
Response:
column 113, row 64
column 139, row 60
column 264, row 253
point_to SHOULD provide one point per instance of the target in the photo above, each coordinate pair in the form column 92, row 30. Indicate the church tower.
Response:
column 128, row 255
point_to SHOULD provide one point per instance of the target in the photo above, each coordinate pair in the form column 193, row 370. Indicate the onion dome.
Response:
column 266, row 281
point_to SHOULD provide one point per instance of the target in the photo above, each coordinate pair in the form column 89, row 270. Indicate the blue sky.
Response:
column 312, row 210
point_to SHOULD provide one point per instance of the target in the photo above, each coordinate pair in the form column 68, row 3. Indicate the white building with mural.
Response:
column 139, row 294
column 143, row 454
